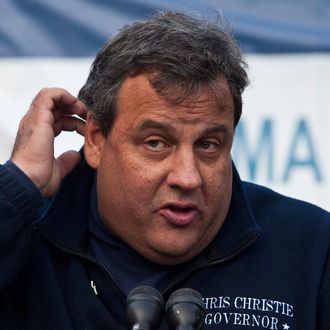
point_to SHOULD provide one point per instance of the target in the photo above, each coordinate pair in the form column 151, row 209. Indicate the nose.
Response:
column 184, row 173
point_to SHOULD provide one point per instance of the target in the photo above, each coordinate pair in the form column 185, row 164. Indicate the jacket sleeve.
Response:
column 323, row 319
column 18, row 210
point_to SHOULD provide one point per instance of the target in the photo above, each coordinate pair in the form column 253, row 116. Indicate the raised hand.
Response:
column 50, row 113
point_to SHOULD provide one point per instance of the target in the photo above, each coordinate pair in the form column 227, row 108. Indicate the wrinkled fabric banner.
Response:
column 80, row 27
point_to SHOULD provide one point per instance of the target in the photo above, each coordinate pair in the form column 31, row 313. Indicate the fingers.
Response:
column 67, row 161
column 77, row 108
column 53, row 107
column 52, row 99
column 64, row 164
column 69, row 124
column 52, row 111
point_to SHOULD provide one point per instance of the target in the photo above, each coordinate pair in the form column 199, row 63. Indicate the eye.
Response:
column 208, row 146
column 155, row 144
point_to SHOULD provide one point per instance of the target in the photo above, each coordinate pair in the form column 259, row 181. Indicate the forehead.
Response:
column 137, row 98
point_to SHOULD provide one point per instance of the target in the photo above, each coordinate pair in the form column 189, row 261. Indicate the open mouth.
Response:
column 179, row 215
column 175, row 208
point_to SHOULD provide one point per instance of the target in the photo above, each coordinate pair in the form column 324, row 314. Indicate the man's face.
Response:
column 164, row 171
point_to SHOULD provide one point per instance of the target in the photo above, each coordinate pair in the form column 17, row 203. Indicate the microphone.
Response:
column 185, row 310
column 144, row 308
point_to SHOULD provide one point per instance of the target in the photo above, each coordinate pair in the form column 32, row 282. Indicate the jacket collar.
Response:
column 240, row 228
column 64, row 219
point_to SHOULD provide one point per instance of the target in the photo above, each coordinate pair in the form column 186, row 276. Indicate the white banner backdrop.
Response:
column 282, row 140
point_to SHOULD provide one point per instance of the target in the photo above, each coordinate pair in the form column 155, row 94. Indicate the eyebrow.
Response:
column 151, row 124
column 216, row 129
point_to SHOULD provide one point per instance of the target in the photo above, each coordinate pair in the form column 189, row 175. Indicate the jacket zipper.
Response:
column 84, row 256
column 173, row 283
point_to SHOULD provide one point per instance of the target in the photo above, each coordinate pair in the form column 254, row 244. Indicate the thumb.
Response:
column 67, row 161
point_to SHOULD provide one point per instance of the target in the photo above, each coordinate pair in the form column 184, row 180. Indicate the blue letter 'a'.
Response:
column 302, row 135
column 263, row 152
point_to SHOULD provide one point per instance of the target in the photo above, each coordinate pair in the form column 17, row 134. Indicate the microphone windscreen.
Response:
column 185, row 309
column 144, row 308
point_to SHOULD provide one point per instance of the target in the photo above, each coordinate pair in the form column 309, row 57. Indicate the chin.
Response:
column 172, row 256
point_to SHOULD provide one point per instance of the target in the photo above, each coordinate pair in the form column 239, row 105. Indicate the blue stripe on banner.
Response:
column 79, row 27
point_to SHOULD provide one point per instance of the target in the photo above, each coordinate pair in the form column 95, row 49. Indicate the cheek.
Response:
column 218, row 185
column 125, row 187
column 219, row 173
column 139, row 176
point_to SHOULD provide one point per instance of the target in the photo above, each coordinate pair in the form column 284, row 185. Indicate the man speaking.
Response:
column 154, row 198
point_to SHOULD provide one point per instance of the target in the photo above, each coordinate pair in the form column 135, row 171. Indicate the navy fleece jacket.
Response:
column 267, row 268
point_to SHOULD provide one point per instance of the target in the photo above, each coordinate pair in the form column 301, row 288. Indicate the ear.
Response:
column 94, row 142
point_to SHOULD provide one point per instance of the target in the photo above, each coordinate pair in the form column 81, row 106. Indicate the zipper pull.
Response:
column 94, row 287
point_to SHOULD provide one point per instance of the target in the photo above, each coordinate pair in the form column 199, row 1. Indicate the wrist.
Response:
column 26, row 181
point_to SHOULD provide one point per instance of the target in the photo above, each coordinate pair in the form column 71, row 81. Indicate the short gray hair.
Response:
column 187, row 53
